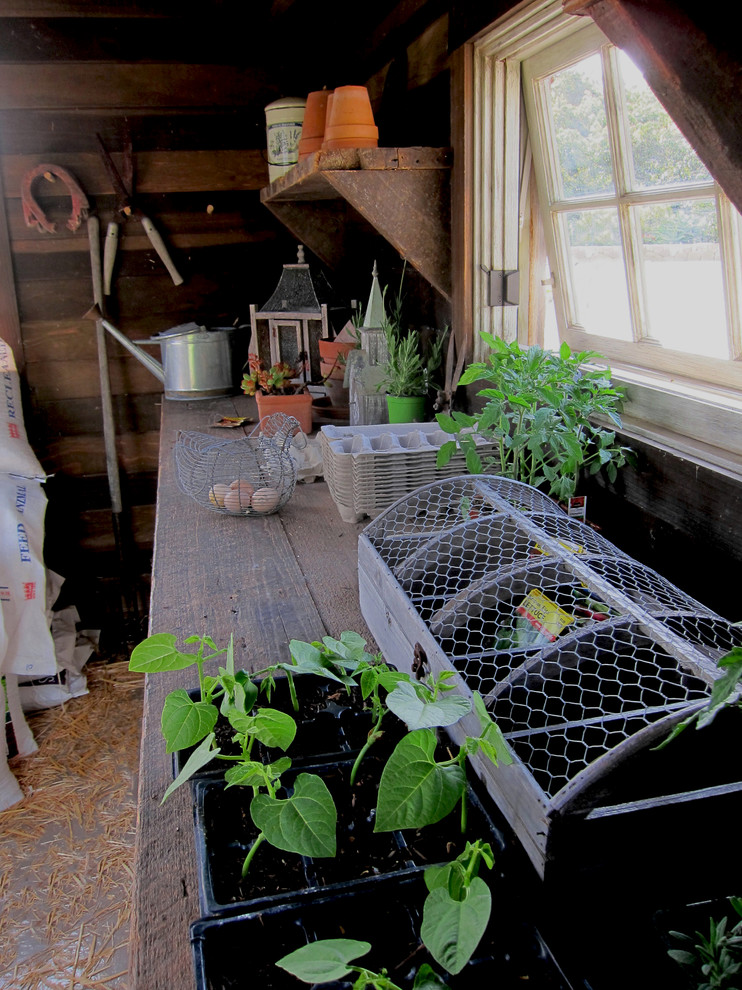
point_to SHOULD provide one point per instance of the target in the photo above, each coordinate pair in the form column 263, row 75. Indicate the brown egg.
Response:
column 217, row 493
column 265, row 500
column 243, row 486
column 238, row 499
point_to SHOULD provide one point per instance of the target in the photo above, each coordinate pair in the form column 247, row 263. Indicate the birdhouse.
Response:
column 290, row 324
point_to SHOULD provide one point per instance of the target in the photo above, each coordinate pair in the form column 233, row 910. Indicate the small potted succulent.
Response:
column 277, row 390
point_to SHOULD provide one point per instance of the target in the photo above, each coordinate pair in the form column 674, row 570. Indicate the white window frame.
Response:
column 670, row 403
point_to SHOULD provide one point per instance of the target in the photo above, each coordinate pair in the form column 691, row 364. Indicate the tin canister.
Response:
column 283, row 123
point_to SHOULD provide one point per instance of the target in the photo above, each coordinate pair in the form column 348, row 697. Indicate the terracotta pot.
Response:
column 313, row 128
column 330, row 369
column 351, row 105
column 332, row 355
column 330, row 349
column 328, row 113
column 299, row 406
column 351, row 130
column 351, row 136
column 352, row 142
column 309, row 145
column 350, row 120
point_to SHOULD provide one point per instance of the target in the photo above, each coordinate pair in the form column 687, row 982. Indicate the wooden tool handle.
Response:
column 93, row 226
column 110, row 246
column 159, row 245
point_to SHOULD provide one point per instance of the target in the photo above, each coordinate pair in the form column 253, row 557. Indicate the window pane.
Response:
column 660, row 153
column 581, row 130
column 598, row 277
column 683, row 276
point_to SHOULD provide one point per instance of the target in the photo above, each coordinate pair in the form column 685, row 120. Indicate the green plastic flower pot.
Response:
column 406, row 408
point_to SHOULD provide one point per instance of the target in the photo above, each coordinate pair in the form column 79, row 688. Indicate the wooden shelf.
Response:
column 403, row 193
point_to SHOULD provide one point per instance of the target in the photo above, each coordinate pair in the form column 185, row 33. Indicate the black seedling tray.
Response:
column 224, row 833
column 231, row 951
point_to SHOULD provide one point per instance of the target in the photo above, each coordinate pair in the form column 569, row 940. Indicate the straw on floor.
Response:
column 67, row 849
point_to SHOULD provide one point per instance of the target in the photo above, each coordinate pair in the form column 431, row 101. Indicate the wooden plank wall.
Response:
column 189, row 90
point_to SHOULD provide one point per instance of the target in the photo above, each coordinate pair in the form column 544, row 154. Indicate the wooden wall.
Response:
column 188, row 90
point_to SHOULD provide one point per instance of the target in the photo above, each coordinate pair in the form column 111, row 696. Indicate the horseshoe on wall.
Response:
column 32, row 212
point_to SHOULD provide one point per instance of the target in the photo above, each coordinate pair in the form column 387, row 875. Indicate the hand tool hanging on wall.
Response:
column 122, row 538
column 125, row 206
column 32, row 212
column 35, row 217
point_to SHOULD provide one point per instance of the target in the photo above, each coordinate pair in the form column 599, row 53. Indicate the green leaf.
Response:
column 305, row 654
column 446, row 423
column 304, row 823
column 309, row 659
column 682, row 956
column 158, row 653
column 420, row 711
column 451, row 930
column 353, row 642
column 325, row 960
column 473, row 374
column 473, row 461
column 445, row 453
column 202, row 754
column 268, row 725
column 491, row 741
column 426, row 978
column 252, row 773
column 463, row 419
column 414, row 790
column 437, row 876
column 185, row 722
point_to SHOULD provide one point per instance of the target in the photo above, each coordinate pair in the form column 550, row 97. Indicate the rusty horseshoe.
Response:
column 32, row 212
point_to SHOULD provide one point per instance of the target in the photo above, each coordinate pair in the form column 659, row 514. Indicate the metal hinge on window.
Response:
column 504, row 287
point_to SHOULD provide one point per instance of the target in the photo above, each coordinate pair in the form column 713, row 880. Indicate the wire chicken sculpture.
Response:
column 253, row 475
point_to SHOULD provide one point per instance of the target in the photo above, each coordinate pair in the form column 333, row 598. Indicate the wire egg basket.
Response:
column 253, row 475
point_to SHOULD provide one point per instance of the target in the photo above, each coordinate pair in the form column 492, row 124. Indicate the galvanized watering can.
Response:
column 196, row 362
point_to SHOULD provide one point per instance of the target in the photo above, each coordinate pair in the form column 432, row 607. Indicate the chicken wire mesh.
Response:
column 253, row 475
column 581, row 653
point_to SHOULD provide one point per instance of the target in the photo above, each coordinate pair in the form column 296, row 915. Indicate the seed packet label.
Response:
column 565, row 544
column 544, row 615
column 577, row 507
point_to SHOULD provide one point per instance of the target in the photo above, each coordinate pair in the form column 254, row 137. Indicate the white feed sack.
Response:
column 16, row 454
column 10, row 789
column 73, row 648
column 29, row 649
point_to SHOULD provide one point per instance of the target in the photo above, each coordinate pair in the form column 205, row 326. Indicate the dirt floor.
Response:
column 67, row 849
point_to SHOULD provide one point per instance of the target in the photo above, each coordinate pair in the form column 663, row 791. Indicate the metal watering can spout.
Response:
column 150, row 363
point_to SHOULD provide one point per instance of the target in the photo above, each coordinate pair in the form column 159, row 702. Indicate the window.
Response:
column 642, row 241
column 640, row 249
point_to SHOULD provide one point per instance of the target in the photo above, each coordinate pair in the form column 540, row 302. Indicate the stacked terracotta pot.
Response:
column 339, row 118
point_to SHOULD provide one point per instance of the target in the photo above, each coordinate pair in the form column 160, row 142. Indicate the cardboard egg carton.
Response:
column 367, row 468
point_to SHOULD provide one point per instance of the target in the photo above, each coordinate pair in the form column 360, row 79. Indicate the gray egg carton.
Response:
column 367, row 468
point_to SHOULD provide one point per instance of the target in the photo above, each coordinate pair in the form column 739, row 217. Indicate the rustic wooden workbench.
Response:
column 290, row 575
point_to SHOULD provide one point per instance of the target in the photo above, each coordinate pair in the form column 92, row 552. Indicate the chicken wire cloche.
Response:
column 586, row 658
column 253, row 475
